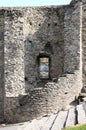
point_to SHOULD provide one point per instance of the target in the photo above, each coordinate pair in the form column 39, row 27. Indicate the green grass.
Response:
column 78, row 127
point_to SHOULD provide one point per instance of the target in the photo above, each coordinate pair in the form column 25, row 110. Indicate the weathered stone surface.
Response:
column 41, row 27
column 71, row 119
column 28, row 33
column 60, row 121
column 49, row 122
column 81, row 114
column 72, row 39
column 84, row 42
column 13, row 54
column 2, row 92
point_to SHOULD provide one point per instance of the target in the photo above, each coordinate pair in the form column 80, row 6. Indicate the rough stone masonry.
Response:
column 39, row 41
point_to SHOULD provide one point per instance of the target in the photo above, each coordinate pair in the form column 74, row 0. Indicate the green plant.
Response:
column 78, row 127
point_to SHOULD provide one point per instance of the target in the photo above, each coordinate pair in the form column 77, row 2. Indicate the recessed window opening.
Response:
column 44, row 67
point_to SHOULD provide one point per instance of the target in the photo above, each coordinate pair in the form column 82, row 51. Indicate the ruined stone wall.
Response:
column 13, row 60
column 25, row 38
column 72, row 39
column 13, row 53
column 1, row 65
column 84, row 41
column 73, row 48
column 43, row 26
column 28, row 33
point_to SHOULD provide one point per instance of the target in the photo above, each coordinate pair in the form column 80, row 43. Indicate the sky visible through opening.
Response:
column 7, row 3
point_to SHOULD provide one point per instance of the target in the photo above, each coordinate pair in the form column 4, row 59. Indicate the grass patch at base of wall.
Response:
column 78, row 127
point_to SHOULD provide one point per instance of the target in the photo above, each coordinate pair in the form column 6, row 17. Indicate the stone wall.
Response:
column 84, row 41
column 1, row 65
column 13, row 60
column 13, row 53
column 43, row 26
column 72, row 39
column 51, row 98
column 73, row 46
column 25, row 39
column 28, row 33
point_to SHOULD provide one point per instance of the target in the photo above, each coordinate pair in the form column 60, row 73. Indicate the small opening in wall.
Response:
column 55, row 24
column 30, row 41
column 30, row 23
column 26, row 79
column 21, row 28
column 66, row 92
column 21, row 104
column 48, row 24
column 39, row 24
column 44, row 67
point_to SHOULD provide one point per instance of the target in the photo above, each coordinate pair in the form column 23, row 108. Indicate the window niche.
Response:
column 44, row 66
